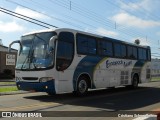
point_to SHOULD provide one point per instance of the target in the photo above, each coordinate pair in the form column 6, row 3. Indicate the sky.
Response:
column 125, row 20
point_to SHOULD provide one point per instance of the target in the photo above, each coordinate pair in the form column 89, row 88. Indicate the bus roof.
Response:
column 86, row 33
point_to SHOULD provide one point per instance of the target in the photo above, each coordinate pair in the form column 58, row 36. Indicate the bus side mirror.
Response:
column 52, row 44
column 9, row 48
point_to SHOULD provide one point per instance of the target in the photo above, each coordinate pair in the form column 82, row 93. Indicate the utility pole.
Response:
column 70, row 5
column 115, row 25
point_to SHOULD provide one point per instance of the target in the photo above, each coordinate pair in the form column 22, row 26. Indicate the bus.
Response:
column 66, row 60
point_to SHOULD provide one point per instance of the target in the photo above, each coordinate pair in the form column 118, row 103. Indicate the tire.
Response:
column 82, row 86
column 135, row 81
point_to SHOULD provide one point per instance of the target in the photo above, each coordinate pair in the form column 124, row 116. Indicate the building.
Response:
column 155, row 67
column 7, row 60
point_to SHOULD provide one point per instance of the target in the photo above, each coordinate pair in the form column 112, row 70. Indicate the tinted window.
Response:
column 65, row 50
column 105, row 48
column 149, row 55
column 142, row 54
column 86, row 44
column 135, row 52
column 117, row 50
column 66, row 36
column 132, row 52
column 120, row 50
column 123, row 51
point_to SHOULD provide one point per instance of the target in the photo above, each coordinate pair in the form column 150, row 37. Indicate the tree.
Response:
column 137, row 41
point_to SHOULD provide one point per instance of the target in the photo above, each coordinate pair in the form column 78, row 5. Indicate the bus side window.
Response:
column 142, row 54
column 86, row 45
column 105, row 48
column 148, row 55
column 120, row 50
column 132, row 52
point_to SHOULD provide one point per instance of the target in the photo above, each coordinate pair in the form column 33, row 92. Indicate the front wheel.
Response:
column 82, row 86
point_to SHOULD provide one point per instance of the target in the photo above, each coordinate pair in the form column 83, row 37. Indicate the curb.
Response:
column 9, row 85
column 13, row 93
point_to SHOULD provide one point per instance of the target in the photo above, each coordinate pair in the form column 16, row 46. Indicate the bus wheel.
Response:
column 135, row 81
column 82, row 86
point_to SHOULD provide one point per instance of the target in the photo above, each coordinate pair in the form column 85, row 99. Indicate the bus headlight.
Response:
column 45, row 79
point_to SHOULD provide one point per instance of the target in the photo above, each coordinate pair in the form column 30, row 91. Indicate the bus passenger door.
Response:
column 64, row 58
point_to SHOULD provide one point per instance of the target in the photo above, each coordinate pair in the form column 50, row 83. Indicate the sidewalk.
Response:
column 7, row 80
column 14, row 92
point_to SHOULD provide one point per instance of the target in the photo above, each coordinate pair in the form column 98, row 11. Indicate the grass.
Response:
column 8, row 89
column 155, row 79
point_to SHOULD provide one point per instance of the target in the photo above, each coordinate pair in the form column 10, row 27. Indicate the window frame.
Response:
column 140, row 48
column 132, row 52
column 77, row 46
column 98, row 48
column 119, row 43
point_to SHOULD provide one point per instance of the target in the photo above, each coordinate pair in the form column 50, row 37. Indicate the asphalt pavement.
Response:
column 144, row 99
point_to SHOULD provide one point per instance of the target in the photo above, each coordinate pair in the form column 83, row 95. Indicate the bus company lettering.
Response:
column 119, row 62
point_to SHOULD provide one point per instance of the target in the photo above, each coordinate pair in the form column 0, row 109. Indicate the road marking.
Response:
column 29, row 106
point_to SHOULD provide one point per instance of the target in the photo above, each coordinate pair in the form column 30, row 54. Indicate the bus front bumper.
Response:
column 48, row 86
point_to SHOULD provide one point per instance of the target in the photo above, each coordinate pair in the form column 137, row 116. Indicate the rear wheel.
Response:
column 135, row 81
column 82, row 86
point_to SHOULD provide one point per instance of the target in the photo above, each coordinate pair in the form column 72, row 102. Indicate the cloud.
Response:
column 10, row 27
column 126, row 19
column 105, row 32
column 134, row 6
column 29, row 13
column 158, row 33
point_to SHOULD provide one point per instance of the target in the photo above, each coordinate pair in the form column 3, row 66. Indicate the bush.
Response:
column 7, row 72
column 4, row 76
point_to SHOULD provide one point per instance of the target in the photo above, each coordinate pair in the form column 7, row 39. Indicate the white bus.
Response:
column 66, row 60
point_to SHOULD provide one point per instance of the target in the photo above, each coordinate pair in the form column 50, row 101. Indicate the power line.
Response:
column 24, row 19
column 79, row 10
column 144, row 10
column 55, row 18
column 123, row 28
column 62, row 4
column 27, row 17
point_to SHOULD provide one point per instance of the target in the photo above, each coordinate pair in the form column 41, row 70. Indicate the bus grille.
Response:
column 30, row 78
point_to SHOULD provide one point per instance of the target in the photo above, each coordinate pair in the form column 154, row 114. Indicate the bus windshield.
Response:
column 34, row 53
